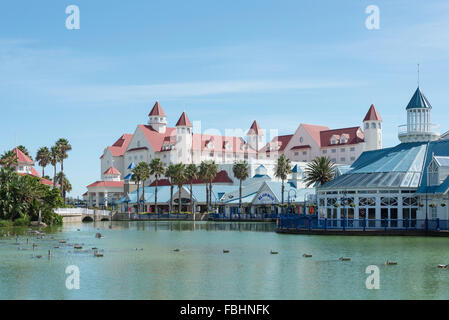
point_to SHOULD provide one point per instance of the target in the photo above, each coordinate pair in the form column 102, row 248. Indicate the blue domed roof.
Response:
column 418, row 101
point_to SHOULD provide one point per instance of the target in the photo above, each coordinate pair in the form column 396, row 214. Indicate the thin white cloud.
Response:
column 136, row 93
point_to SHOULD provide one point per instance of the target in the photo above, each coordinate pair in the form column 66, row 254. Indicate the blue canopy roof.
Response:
column 419, row 101
column 132, row 165
column 400, row 166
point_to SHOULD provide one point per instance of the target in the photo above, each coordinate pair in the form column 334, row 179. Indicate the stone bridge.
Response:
column 83, row 214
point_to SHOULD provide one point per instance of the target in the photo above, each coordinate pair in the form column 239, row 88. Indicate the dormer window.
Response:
column 335, row 139
column 344, row 138
column 432, row 173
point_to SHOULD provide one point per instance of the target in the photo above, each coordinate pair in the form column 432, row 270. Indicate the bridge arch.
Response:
column 87, row 219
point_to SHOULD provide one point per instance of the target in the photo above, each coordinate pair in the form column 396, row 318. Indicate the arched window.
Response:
column 373, row 125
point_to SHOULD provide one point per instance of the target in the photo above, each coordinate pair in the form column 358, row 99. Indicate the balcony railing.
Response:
column 418, row 129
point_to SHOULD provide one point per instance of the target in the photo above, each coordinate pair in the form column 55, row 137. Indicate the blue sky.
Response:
column 225, row 63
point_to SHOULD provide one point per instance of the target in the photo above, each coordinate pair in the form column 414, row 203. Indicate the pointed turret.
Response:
column 157, row 110
column 418, row 127
column 373, row 129
column 418, row 101
column 157, row 119
column 372, row 114
column 255, row 129
column 183, row 121
column 255, row 136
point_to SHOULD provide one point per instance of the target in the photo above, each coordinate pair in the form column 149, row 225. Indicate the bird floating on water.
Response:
column 306, row 255
column 344, row 259
column 391, row 263
column 225, row 251
column 274, row 252
column 176, row 250
column 443, row 266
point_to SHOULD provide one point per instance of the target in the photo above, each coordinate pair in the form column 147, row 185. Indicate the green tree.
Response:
column 64, row 147
column 9, row 160
column 180, row 178
column 62, row 180
column 241, row 172
column 25, row 151
column 191, row 174
column 144, row 173
column 319, row 171
column 282, row 170
column 137, row 177
column 23, row 197
column 208, row 172
column 54, row 159
column 43, row 157
column 170, row 173
column 157, row 170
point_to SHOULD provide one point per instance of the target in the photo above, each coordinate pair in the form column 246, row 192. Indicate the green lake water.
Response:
column 200, row 269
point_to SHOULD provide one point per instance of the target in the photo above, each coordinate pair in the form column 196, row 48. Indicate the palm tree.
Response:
column 319, row 171
column 203, row 172
column 179, row 178
column 62, row 180
column 144, row 174
column 191, row 174
column 25, row 151
column 282, row 170
column 241, row 172
column 137, row 177
column 170, row 173
column 210, row 170
column 64, row 146
column 54, row 159
column 157, row 169
column 9, row 160
column 43, row 157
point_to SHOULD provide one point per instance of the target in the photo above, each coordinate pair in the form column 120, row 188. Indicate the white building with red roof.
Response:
column 25, row 166
column 180, row 144
column 342, row 146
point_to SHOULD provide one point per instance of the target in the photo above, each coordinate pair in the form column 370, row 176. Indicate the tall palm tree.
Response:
column 170, row 173
column 54, row 159
column 9, row 160
column 62, row 180
column 43, row 157
column 179, row 178
column 64, row 146
column 282, row 170
column 137, row 177
column 191, row 174
column 157, row 170
column 212, row 170
column 241, row 172
column 144, row 172
column 203, row 174
column 25, row 151
column 319, row 171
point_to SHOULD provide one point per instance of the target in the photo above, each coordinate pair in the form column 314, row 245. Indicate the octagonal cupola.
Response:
column 418, row 127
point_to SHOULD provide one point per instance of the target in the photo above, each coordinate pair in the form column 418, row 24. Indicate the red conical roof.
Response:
column 184, row 121
column 22, row 157
column 372, row 114
column 112, row 171
column 255, row 129
column 157, row 110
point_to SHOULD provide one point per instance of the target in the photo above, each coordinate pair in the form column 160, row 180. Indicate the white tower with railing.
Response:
column 418, row 127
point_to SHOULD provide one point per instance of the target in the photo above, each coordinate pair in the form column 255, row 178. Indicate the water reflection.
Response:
column 196, row 226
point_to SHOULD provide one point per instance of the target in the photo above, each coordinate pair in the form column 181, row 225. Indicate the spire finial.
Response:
column 418, row 75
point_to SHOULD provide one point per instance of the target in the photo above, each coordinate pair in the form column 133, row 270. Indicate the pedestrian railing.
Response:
column 246, row 216
column 313, row 223
column 164, row 216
